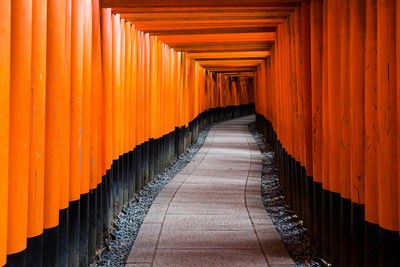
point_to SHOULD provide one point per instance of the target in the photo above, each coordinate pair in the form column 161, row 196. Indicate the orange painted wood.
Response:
column 37, row 131
column 371, row 122
column 357, row 98
column 229, row 55
column 76, row 150
column 345, row 103
column 325, row 110
column 88, row 181
column 97, row 90
column 121, row 138
column 116, row 85
column 5, row 43
column 386, row 109
column 398, row 92
column 316, row 86
column 211, row 31
column 147, row 107
column 306, row 78
column 334, row 91
column 128, row 86
column 106, row 34
column 57, row 113
column 152, row 87
column 200, row 3
column 64, row 183
column 212, row 25
column 201, row 15
column 20, row 120
column 134, row 86
column 222, row 37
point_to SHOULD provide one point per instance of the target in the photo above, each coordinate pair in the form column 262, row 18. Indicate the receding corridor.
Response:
column 211, row 213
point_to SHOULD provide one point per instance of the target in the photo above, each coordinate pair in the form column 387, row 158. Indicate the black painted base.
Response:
column 17, row 259
column 34, row 251
column 73, row 233
column 50, row 247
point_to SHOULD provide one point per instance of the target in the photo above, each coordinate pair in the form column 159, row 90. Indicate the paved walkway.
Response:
column 211, row 213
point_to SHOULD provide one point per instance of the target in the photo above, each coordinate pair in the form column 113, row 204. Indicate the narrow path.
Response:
column 211, row 213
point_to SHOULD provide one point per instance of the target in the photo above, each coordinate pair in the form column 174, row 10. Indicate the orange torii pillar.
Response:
column 77, row 13
column 106, row 37
column 37, row 134
column 116, row 106
column 5, row 43
column 345, row 136
column 316, row 104
column 85, row 208
column 57, row 130
column 371, row 135
column 325, row 245
column 388, row 176
column 357, row 132
column 96, row 175
column 64, row 195
column 20, row 120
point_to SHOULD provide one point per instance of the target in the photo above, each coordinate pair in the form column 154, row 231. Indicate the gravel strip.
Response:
column 288, row 224
column 126, row 226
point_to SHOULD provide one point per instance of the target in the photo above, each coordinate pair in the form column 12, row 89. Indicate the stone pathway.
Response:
column 211, row 213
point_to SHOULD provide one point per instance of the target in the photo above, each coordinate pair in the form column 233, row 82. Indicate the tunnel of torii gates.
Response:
column 97, row 97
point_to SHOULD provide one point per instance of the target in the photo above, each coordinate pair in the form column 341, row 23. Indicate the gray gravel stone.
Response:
column 286, row 222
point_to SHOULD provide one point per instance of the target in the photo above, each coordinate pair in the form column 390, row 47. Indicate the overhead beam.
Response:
column 211, row 31
column 222, row 37
column 179, row 16
column 199, row 3
column 231, row 69
column 238, row 65
column 231, row 62
column 223, row 47
column 149, row 26
column 215, row 55
column 165, row 9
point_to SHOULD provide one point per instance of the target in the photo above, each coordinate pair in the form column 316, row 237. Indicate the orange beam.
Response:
column 199, row 3
column 223, row 37
column 169, row 9
column 178, row 16
column 178, row 26
column 220, row 30
column 208, row 55
column 76, row 100
column 223, row 47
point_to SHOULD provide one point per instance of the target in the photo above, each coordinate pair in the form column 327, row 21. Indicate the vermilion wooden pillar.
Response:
column 371, row 135
column 88, row 209
column 106, row 37
column 345, row 137
column 106, row 43
column 387, row 129
column 357, row 114
column 76, row 133
column 5, row 43
column 325, row 138
column 37, row 133
column 57, row 128
column 20, row 121
column 316, row 103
